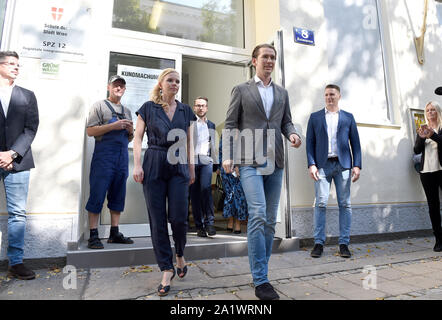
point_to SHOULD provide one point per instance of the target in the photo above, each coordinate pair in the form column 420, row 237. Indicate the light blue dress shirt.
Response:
column 266, row 93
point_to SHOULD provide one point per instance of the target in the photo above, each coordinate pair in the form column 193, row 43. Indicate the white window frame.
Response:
column 249, row 35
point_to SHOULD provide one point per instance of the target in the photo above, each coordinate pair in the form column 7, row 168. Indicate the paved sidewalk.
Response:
column 405, row 269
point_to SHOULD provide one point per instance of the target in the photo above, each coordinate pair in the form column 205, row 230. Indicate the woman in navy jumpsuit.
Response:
column 166, row 122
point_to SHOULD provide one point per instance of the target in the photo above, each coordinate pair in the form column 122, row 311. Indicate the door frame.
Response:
column 137, row 44
column 129, row 229
column 283, row 227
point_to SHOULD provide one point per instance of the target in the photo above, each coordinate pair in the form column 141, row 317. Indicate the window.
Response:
column 2, row 18
column 355, row 58
column 213, row 21
column 139, row 87
column 439, row 12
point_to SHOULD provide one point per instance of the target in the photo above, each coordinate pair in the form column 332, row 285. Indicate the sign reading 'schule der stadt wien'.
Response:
column 54, row 29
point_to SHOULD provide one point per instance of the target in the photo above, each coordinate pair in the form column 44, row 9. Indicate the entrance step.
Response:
column 141, row 251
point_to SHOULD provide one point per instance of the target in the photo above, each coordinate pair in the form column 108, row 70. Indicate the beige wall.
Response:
column 267, row 19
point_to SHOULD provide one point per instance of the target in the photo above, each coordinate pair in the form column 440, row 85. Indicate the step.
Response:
column 141, row 252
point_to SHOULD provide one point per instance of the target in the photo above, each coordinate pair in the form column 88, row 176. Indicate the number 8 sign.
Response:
column 304, row 36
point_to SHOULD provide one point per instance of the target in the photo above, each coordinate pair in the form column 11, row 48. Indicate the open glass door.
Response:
column 140, row 70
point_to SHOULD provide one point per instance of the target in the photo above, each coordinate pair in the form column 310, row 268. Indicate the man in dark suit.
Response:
column 333, row 153
column 259, row 113
column 201, row 189
column 18, row 126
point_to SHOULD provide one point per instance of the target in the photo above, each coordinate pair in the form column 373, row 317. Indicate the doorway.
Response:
column 214, row 80
column 200, row 77
column 140, row 69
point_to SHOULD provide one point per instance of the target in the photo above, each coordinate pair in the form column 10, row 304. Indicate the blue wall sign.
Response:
column 304, row 36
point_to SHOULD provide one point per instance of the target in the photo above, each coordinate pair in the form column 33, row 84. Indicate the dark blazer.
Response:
column 246, row 111
column 419, row 147
column 19, row 126
column 317, row 140
column 212, row 139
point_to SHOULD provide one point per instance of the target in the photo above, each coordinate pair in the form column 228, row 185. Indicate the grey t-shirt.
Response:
column 100, row 114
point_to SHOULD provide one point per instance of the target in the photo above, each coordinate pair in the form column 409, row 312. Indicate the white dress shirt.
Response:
column 431, row 161
column 203, row 142
column 266, row 93
column 332, row 119
column 5, row 97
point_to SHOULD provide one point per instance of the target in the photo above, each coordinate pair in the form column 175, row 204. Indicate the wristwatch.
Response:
column 14, row 155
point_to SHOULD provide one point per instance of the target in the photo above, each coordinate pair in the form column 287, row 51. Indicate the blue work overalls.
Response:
column 165, row 183
column 109, row 169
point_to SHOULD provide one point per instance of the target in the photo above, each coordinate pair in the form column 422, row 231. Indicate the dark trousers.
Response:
column 175, row 192
column 201, row 196
column 431, row 182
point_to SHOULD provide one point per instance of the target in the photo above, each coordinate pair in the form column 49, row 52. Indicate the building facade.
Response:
column 69, row 49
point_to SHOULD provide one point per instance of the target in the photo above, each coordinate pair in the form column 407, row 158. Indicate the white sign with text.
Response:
column 139, row 84
column 54, row 30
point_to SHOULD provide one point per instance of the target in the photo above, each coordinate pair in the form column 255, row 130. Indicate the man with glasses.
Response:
column 18, row 126
column 260, row 108
column 201, row 189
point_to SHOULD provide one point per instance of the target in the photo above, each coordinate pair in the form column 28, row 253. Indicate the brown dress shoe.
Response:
column 21, row 272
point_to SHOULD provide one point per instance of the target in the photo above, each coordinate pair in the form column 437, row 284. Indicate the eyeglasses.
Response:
column 11, row 64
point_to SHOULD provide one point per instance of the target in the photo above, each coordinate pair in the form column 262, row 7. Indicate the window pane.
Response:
column 355, row 58
column 214, row 21
column 439, row 12
column 135, row 94
column 2, row 17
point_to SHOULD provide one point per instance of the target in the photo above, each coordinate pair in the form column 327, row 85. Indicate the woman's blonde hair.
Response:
column 156, row 95
column 438, row 111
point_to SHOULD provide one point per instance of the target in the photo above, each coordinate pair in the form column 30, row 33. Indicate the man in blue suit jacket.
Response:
column 201, row 189
column 18, row 126
column 333, row 153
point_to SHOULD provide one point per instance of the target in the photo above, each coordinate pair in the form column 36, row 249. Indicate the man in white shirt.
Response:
column 330, row 133
column 18, row 127
column 201, row 189
column 258, row 108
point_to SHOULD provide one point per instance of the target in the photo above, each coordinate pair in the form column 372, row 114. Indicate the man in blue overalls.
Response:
column 111, row 126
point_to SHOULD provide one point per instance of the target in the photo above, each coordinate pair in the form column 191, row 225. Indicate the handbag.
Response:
column 218, row 194
column 417, row 161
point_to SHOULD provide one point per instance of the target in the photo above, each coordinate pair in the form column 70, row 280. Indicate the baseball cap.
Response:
column 438, row 91
column 115, row 78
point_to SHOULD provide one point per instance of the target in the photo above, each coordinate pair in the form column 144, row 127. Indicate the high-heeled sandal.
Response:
column 180, row 271
column 165, row 288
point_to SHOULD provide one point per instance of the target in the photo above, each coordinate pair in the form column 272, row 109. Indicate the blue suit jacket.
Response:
column 349, row 147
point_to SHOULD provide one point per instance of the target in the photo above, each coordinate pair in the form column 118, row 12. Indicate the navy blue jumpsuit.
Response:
column 164, row 181
column 109, row 171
